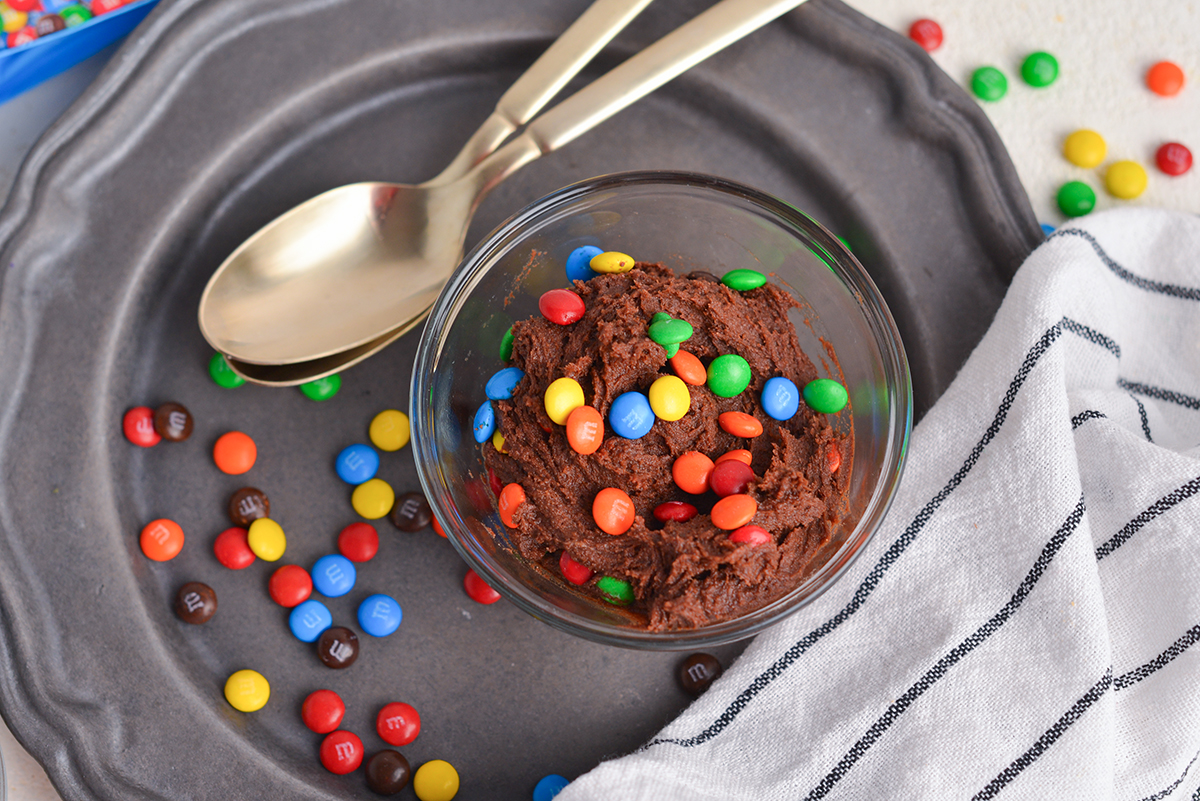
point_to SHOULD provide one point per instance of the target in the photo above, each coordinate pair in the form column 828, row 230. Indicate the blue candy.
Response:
column 578, row 261
column 379, row 615
column 631, row 416
column 780, row 398
column 501, row 385
column 485, row 422
column 308, row 620
column 357, row 463
column 333, row 575
column 548, row 787
column 1047, row 229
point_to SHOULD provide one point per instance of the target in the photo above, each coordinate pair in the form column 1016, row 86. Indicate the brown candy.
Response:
column 195, row 603
column 388, row 772
column 411, row 512
column 337, row 647
column 701, row 275
column 50, row 23
column 247, row 505
column 173, row 422
column 698, row 671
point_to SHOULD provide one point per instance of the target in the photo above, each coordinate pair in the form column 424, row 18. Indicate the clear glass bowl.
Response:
column 688, row 222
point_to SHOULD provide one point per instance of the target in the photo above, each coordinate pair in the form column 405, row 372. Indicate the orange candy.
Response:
column 162, row 539
column 691, row 472
column 235, row 453
column 613, row 511
column 835, row 458
column 733, row 511
column 1165, row 78
column 511, row 497
column 585, row 430
column 739, row 424
column 741, row 454
column 689, row 368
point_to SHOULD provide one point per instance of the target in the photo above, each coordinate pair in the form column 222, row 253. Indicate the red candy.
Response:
column 1173, row 158
column 691, row 471
column 926, row 33
column 751, row 535
column 290, row 586
column 25, row 5
column 398, row 724
column 585, row 430
column 341, row 752
column 23, row 36
column 437, row 528
column 104, row 6
column 561, row 306
column 359, row 542
column 139, row 427
column 678, row 511
column 731, row 477
column 573, row 571
column 232, row 549
column 733, row 511
column 322, row 711
column 478, row 589
column 613, row 511
column 739, row 424
column 494, row 482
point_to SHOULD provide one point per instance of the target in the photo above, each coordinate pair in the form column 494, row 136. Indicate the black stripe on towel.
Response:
column 1155, row 509
column 1083, row 417
column 1141, row 413
column 1174, row 290
column 1159, row 393
column 1161, row 794
column 1092, row 335
column 1190, row 637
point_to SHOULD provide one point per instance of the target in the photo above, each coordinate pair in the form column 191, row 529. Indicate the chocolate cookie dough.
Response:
column 682, row 574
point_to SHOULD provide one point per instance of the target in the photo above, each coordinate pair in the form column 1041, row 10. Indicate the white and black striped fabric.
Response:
column 1025, row 623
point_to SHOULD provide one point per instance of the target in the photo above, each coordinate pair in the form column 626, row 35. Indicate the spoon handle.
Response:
column 689, row 44
column 561, row 62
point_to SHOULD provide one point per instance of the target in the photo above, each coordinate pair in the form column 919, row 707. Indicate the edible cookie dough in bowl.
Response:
column 660, row 410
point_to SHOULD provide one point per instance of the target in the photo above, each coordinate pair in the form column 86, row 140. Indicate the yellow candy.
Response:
column 436, row 780
column 1085, row 148
column 611, row 262
column 1125, row 179
column 562, row 397
column 389, row 430
column 373, row 499
column 247, row 691
column 498, row 442
column 266, row 539
column 669, row 398
column 13, row 20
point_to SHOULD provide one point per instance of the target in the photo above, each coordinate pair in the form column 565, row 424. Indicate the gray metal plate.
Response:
column 216, row 116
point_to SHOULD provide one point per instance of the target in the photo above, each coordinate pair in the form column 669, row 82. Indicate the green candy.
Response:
column 659, row 316
column 671, row 332
column 989, row 83
column 1075, row 198
column 323, row 388
column 75, row 15
column 672, row 349
column 1039, row 69
column 615, row 591
column 743, row 280
column 825, row 395
column 728, row 375
column 506, row 345
column 222, row 373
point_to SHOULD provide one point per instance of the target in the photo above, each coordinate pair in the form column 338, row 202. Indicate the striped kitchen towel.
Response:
column 1024, row 624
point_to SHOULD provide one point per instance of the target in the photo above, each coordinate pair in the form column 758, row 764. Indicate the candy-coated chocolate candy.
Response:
column 670, row 331
column 506, row 345
column 703, row 275
column 989, row 83
column 561, row 306
column 247, row 690
column 162, row 539
column 739, row 424
column 358, row 542
column 138, row 425
column 356, row 463
column 548, row 787
column 322, row 389
column 341, row 752
column 1039, row 69
column 825, row 395
column 484, row 424
column 659, row 317
column 218, row 368
column 501, row 385
column 266, row 538
column 1165, row 78
column 247, row 505
column 25, row 5
column 379, row 615
column 689, row 369
column 669, row 398
column 563, row 396
column 337, row 647
column 743, row 280
column 104, row 6
column 1085, row 148
column 1173, row 158
column 926, row 33
column 388, row 772
column 585, row 430
column 751, row 535
column 195, row 603
column 398, row 723
column 691, row 472
column 613, row 511
column 1047, row 228
column 615, row 591
column 780, row 398
column 173, row 422
column 631, row 415
column 373, row 499
column 731, row 477
column 322, row 711
column 411, row 512
column 573, row 571
column 309, row 619
column 333, row 575
column 1125, row 179
column 835, row 457
column 728, row 375
column 511, row 497
column 389, row 430
column 232, row 548
column 13, row 19
column 611, row 262
column 733, row 511
column 1075, row 198
column 436, row 780
column 671, row 350
column 77, row 15
column 290, row 586
column 740, row 454
column 48, row 24
column 578, row 262
column 699, row 671
column 479, row 590
column 23, row 36
column 494, row 483
column 234, row 453
column 676, row 511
